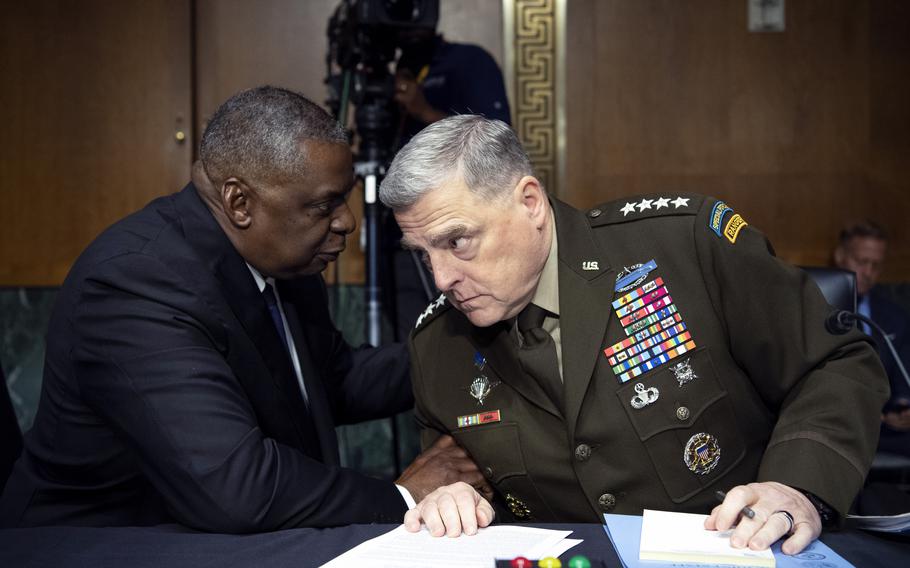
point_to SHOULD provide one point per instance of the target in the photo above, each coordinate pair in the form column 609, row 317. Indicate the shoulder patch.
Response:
column 435, row 308
column 645, row 206
column 733, row 227
column 718, row 212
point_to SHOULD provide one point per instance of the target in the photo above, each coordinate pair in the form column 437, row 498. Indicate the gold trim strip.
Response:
column 534, row 52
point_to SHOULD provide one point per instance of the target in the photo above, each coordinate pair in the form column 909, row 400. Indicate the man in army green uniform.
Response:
column 644, row 354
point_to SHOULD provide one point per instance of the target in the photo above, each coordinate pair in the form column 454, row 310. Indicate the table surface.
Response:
column 176, row 547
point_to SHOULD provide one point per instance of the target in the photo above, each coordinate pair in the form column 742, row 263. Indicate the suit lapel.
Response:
column 238, row 290
column 320, row 417
column 585, row 294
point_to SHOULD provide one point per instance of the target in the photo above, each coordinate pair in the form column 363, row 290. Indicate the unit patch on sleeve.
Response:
column 718, row 213
column 734, row 226
column 655, row 330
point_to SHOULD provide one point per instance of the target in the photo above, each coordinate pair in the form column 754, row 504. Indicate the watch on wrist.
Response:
column 827, row 515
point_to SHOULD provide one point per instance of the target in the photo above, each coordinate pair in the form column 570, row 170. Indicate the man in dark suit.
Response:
column 644, row 354
column 862, row 248
column 193, row 374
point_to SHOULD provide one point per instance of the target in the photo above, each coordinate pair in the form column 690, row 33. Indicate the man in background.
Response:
column 862, row 248
column 193, row 373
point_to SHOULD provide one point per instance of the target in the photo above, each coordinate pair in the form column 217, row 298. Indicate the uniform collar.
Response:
column 547, row 294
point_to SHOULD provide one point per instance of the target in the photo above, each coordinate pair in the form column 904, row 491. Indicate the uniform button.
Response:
column 488, row 472
column 607, row 501
column 594, row 213
column 682, row 413
column 582, row 452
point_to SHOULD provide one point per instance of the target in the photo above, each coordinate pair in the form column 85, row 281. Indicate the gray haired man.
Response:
column 643, row 354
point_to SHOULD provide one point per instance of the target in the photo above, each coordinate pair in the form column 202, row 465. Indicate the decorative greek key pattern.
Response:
column 533, row 77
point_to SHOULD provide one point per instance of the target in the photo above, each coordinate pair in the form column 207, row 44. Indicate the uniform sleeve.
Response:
column 149, row 358
column 826, row 390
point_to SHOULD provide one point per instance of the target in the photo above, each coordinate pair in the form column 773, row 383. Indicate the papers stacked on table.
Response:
column 626, row 534
column 402, row 549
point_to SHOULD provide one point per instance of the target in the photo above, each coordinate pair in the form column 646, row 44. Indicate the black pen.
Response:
column 747, row 510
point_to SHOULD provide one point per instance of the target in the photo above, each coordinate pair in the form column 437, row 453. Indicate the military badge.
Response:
column 643, row 397
column 683, row 372
column 701, row 454
column 434, row 305
column 517, row 506
column 480, row 388
column 479, row 361
column 631, row 276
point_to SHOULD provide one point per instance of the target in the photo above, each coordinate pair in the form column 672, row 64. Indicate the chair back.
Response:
column 10, row 435
column 838, row 286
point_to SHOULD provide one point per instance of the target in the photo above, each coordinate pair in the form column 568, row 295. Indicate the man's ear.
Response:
column 235, row 200
column 532, row 197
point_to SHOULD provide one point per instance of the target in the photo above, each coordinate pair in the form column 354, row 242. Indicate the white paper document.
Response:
column 402, row 549
column 682, row 537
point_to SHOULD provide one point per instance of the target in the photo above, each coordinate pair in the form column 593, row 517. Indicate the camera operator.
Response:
column 435, row 78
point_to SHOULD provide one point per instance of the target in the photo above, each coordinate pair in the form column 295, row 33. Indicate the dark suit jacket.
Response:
column 167, row 396
column 782, row 399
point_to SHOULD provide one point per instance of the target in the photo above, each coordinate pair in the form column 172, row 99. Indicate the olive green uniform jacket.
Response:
column 757, row 391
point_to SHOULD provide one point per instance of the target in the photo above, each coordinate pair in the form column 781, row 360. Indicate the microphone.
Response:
column 840, row 322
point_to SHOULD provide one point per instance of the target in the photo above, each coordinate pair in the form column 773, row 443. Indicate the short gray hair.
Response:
column 255, row 135
column 485, row 153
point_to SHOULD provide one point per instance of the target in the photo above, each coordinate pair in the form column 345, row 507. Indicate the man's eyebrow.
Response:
column 448, row 234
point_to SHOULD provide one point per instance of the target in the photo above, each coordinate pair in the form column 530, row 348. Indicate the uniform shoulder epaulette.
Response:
column 436, row 307
column 638, row 207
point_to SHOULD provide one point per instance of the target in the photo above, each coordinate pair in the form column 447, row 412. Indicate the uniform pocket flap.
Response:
column 495, row 448
column 672, row 396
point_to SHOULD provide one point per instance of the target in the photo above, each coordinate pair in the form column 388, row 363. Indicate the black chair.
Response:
column 888, row 481
column 10, row 435
column 838, row 286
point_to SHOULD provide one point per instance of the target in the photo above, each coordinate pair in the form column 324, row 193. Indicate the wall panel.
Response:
column 801, row 130
column 94, row 92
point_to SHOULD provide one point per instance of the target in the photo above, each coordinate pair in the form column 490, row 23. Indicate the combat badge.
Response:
column 643, row 397
column 701, row 453
column 683, row 372
column 517, row 506
column 480, row 388
column 631, row 276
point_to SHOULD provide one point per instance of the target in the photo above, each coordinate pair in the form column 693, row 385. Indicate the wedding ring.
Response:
column 789, row 520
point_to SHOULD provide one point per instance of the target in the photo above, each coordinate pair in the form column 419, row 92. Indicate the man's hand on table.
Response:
column 451, row 510
column 768, row 500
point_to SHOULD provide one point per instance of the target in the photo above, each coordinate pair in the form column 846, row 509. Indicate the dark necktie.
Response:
column 537, row 353
column 269, row 294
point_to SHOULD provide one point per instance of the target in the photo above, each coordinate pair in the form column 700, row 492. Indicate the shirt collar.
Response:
column 260, row 281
